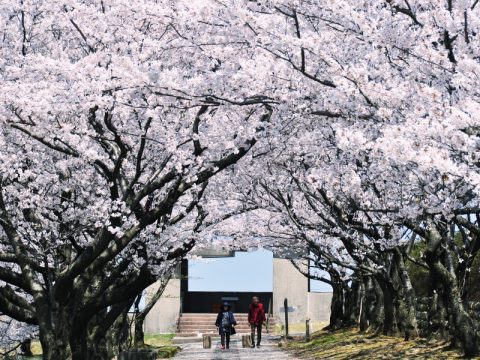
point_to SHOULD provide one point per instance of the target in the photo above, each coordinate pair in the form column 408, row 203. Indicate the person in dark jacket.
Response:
column 256, row 318
column 225, row 323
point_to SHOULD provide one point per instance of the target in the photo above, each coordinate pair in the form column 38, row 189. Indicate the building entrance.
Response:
column 233, row 276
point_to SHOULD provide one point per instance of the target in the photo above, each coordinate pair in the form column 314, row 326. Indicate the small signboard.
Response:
column 289, row 309
column 230, row 298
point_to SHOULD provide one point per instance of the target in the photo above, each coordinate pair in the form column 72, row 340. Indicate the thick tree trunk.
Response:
column 54, row 330
column 463, row 327
column 54, row 345
column 376, row 311
column 410, row 318
column 371, row 304
column 139, row 334
column 363, row 308
column 336, row 307
column 64, row 336
column 353, row 303
column 79, row 347
column 389, row 326
column 437, row 316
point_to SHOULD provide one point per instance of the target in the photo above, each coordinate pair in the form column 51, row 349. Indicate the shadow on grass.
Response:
column 351, row 344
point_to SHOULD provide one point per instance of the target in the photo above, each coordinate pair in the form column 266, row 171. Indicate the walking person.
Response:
column 225, row 323
column 256, row 318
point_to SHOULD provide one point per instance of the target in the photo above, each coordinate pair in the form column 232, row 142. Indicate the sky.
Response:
column 245, row 272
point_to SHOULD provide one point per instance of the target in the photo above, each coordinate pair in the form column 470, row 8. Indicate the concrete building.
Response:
column 287, row 283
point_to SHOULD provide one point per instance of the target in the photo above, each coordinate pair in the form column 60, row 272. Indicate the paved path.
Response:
column 268, row 351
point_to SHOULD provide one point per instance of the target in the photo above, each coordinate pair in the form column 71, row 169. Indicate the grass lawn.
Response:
column 299, row 328
column 162, row 343
column 350, row 344
column 159, row 339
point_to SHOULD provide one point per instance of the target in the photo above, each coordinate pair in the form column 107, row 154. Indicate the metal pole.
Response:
column 285, row 306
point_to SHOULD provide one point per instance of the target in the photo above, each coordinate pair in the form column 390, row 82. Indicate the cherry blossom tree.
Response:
column 118, row 118
column 393, row 84
column 114, row 117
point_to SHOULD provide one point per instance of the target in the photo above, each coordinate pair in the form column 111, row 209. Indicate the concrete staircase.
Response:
column 192, row 324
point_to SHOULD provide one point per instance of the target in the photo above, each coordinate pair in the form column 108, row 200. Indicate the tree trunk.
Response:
column 79, row 347
column 352, row 300
column 377, row 313
column 463, row 327
column 54, row 345
column 139, row 335
column 336, row 307
column 410, row 320
column 389, row 326
column 363, row 318
column 54, row 330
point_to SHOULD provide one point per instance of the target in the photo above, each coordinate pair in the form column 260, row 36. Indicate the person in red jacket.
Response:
column 256, row 318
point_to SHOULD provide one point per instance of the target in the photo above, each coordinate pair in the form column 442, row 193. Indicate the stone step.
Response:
column 241, row 324
column 208, row 330
column 212, row 322
column 209, row 320
column 187, row 334
column 214, row 329
column 191, row 338
column 210, row 317
column 204, row 323
column 211, row 314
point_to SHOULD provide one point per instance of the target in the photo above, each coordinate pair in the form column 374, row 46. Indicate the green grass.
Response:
column 349, row 344
column 298, row 328
column 159, row 339
column 36, row 348
column 163, row 344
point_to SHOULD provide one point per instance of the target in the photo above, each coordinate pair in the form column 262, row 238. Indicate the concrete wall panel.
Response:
column 289, row 283
column 164, row 315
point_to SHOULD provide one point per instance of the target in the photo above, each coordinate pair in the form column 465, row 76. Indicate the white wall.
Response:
column 163, row 316
column 289, row 283
column 319, row 306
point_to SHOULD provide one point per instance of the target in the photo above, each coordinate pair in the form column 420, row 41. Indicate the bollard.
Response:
column 207, row 342
column 246, row 341
column 307, row 330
